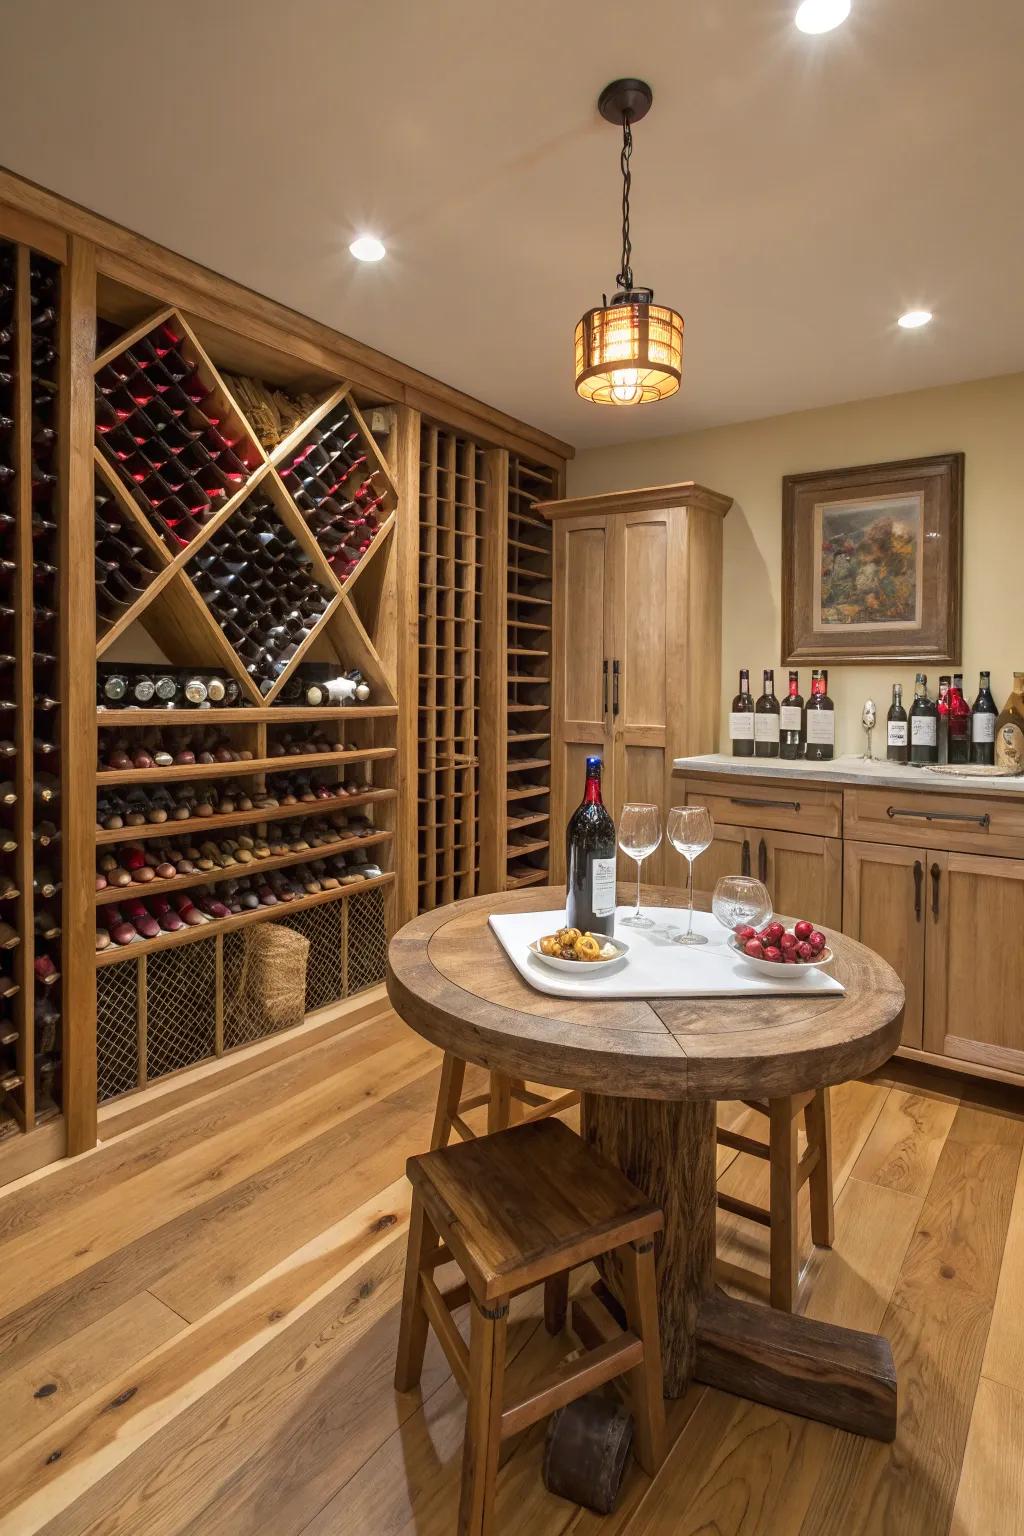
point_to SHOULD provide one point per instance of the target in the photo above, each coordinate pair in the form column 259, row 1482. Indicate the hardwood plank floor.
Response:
column 198, row 1322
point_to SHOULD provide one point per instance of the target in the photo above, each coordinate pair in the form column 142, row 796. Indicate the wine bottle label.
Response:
column 602, row 886
column 896, row 733
column 923, row 731
column 821, row 727
column 983, row 728
column 766, row 727
column 791, row 717
column 741, row 726
column 1010, row 747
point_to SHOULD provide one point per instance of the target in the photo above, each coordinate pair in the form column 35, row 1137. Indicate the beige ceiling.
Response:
column 792, row 194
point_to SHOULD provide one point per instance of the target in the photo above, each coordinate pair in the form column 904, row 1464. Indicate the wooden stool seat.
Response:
column 513, row 1210
column 517, row 1209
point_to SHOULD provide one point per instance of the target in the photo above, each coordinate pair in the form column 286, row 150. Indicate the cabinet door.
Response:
column 803, row 873
column 730, row 853
column 581, row 660
column 884, row 907
column 646, row 652
column 974, row 960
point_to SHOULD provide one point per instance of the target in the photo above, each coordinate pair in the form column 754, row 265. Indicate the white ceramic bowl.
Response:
column 779, row 968
column 581, row 967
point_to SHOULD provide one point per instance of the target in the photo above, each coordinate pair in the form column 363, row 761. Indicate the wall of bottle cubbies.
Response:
column 30, row 748
column 242, row 526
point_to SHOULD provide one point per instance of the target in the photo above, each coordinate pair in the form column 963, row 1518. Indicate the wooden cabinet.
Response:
column 804, row 874
column 884, row 907
column 637, row 638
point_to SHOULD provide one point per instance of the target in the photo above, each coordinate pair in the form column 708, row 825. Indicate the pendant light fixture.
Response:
column 630, row 351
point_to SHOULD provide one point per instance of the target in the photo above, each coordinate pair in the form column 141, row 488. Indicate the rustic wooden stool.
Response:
column 788, row 1174
column 513, row 1210
column 508, row 1101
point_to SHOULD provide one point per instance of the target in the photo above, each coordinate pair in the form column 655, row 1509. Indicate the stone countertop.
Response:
column 848, row 770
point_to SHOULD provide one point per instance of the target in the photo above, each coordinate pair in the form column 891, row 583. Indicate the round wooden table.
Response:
column 650, row 1073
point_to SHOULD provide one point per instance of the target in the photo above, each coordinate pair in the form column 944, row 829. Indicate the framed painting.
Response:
column 872, row 562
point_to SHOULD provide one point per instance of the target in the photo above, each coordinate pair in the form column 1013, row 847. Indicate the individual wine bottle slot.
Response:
column 46, row 924
column 44, row 883
column 896, row 745
column 10, row 938
column 8, row 793
column 821, row 720
column 766, row 719
column 983, row 723
column 8, row 986
column 8, row 843
column 45, row 789
column 590, row 860
column 44, row 833
column 44, row 968
column 9, row 1081
column 1009, row 741
column 791, row 721
column 924, row 724
column 741, row 719
column 8, row 1033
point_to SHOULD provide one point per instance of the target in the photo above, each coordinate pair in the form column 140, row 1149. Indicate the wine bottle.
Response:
column 46, row 924
column 924, row 719
column 959, row 722
column 983, row 722
column 1010, row 729
column 590, row 860
column 44, row 883
column 791, row 721
column 741, row 719
column 896, row 749
column 942, row 720
column 766, row 719
column 820, row 720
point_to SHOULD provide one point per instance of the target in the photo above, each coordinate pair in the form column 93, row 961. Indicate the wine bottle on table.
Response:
column 741, row 719
column 791, row 721
column 766, row 719
column 896, row 750
column 942, row 720
column 959, row 722
column 590, row 860
column 983, row 722
column 821, row 720
column 924, row 721
column 1010, row 729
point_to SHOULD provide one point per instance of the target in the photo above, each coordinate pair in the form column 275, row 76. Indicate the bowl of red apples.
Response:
column 802, row 947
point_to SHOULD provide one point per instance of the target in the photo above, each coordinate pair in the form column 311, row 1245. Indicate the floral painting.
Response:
column 869, row 559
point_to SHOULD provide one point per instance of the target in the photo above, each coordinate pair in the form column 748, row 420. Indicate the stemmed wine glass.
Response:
column 740, row 901
column 639, row 836
column 690, row 831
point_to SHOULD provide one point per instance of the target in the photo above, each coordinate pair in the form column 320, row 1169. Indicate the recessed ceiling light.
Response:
column 367, row 248
column 914, row 319
column 821, row 15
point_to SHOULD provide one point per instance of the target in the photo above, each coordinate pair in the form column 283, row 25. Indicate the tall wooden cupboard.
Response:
column 637, row 620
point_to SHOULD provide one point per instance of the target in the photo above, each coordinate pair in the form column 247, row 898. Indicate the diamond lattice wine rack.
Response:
column 223, row 544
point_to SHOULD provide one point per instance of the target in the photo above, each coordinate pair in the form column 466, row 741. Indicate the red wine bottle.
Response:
column 766, row 719
column 590, row 860
column 741, row 719
column 924, row 721
column 983, row 723
column 791, row 722
column 959, row 722
column 821, row 720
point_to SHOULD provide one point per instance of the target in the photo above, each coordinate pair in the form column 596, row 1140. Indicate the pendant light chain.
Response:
column 625, row 277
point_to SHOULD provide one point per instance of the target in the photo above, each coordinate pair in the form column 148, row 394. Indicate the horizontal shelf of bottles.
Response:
column 119, row 826
column 30, row 713
column 451, row 515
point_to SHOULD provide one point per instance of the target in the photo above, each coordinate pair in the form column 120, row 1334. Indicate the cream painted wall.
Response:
column 984, row 420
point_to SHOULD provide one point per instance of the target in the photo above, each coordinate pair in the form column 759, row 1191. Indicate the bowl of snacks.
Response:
column 800, row 948
column 570, row 949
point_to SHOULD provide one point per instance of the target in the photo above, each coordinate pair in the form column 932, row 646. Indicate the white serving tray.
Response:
column 655, row 966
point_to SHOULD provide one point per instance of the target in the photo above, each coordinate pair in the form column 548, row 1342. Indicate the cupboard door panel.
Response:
column 644, row 623
column 884, row 906
column 974, row 965
column 803, row 874
column 641, row 778
column 730, row 853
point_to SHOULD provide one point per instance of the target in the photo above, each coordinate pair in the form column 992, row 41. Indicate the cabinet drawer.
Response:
column 963, row 823
column 773, row 807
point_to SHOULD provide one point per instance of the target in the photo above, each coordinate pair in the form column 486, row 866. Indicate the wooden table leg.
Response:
column 668, row 1150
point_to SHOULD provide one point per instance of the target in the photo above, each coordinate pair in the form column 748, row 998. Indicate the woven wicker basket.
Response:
column 270, row 991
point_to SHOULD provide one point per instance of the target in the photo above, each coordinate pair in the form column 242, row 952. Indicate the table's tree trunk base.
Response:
column 668, row 1150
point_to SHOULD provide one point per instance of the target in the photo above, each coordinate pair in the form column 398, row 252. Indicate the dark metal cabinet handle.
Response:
column 615, row 687
column 981, row 821
column 785, row 805
column 762, row 862
column 918, row 881
column 936, row 874
column 745, row 858
column 604, row 686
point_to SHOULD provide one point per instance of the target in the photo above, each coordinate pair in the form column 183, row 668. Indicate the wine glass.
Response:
column 690, row 831
column 739, row 901
column 639, row 835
